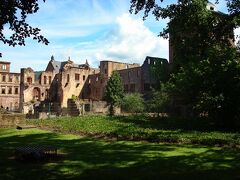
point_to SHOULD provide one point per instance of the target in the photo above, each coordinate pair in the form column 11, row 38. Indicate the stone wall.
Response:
column 131, row 79
column 10, row 120
column 9, row 88
column 99, row 107
column 72, row 83
column 10, row 102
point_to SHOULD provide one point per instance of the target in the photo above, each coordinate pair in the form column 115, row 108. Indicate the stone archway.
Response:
column 37, row 93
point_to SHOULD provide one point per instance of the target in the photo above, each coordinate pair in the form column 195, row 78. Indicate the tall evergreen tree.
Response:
column 114, row 91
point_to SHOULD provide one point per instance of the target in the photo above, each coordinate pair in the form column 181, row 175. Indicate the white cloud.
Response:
column 132, row 41
column 237, row 34
column 83, row 32
column 128, row 41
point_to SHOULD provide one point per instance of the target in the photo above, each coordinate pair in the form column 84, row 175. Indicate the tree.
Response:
column 191, row 23
column 13, row 15
column 114, row 91
column 133, row 103
column 159, row 101
column 206, row 65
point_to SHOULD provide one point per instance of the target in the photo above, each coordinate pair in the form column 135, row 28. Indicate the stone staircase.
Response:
column 73, row 110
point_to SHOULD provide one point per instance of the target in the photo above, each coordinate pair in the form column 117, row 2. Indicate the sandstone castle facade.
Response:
column 61, row 81
column 9, row 87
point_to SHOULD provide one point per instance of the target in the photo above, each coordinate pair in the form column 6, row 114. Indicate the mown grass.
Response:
column 143, row 128
column 90, row 158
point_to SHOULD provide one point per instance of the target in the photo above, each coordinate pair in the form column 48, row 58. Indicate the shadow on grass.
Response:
column 86, row 158
column 197, row 124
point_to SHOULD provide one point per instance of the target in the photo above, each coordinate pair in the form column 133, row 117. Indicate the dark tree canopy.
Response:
column 205, row 75
column 173, row 10
column 13, row 15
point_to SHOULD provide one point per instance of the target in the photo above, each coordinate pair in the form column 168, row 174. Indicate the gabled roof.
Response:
column 58, row 65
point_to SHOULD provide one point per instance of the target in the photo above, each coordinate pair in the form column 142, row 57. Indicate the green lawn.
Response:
column 143, row 128
column 87, row 158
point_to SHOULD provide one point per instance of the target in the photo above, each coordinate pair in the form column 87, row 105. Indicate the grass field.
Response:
column 143, row 128
column 87, row 158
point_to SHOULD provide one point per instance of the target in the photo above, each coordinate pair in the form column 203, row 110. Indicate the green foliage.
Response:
column 206, row 65
column 74, row 98
column 195, row 131
column 114, row 91
column 161, row 73
column 133, row 103
column 211, row 85
column 159, row 101
column 14, row 15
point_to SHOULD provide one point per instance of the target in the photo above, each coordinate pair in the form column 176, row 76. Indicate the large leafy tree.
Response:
column 193, row 28
column 114, row 91
column 206, row 65
column 13, row 15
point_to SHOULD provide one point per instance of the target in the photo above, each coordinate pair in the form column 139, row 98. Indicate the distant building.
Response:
column 65, row 80
column 9, row 87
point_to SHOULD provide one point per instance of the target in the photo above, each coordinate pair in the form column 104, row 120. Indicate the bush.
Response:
column 159, row 101
column 133, row 103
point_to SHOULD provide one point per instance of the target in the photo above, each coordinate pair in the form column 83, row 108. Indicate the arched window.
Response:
column 29, row 80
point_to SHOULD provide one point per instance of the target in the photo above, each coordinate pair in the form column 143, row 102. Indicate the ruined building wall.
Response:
column 72, row 81
column 98, row 82
column 131, row 79
column 34, row 87
column 9, row 87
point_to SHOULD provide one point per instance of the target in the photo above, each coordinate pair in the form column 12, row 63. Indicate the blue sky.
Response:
column 89, row 29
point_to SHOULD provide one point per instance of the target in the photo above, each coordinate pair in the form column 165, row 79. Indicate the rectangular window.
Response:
column 129, row 74
column 45, row 79
column 4, row 67
column 3, row 78
column 3, row 90
column 149, row 61
column 9, row 90
column 125, row 88
column 77, row 77
column 138, row 73
column 16, row 90
column 84, row 77
column 10, row 79
column 17, row 78
column 68, row 78
column 132, row 87
column 49, row 79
